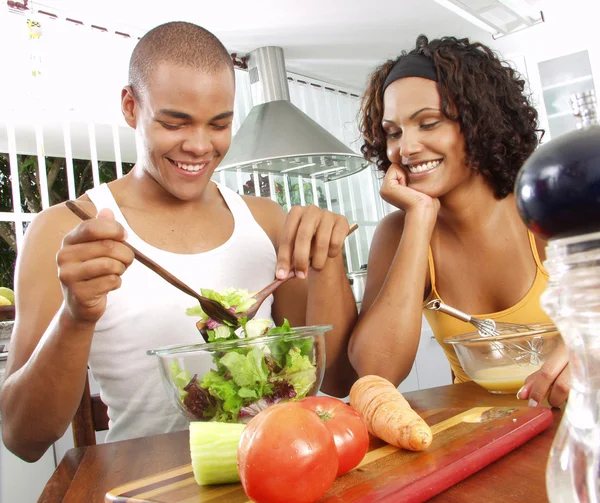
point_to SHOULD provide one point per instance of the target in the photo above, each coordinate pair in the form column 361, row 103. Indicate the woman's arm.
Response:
column 386, row 338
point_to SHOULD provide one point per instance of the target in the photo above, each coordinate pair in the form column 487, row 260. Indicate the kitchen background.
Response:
column 64, row 63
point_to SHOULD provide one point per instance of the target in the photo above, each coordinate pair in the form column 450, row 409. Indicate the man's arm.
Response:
column 329, row 301
column 324, row 297
column 59, row 299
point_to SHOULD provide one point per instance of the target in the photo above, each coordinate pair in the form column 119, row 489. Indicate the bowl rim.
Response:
column 294, row 333
column 533, row 329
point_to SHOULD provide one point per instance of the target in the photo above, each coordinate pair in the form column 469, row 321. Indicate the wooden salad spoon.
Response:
column 261, row 296
column 211, row 307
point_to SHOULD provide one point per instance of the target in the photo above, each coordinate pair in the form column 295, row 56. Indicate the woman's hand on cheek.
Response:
column 395, row 191
column 552, row 380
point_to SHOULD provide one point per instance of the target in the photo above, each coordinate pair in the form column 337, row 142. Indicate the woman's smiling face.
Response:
column 421, row 139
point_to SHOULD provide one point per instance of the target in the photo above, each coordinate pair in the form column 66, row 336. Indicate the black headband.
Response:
column 411, row 65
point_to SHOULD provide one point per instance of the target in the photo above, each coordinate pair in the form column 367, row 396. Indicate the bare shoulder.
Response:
column 389, row 231
column 57, row 220
column 269, row 215
column 385, row 244
column 263, row 206
column 50, row 227
column 381, row 254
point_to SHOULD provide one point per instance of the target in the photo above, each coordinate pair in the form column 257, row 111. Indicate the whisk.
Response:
column 486, row 328
column 516, row 351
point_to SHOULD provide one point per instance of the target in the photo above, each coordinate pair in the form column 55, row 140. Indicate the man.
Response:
column 80, row 296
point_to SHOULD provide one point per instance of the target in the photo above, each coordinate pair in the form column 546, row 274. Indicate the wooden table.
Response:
column 87, row 473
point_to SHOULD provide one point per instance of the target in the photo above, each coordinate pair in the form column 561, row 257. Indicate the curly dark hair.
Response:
column 484, row 94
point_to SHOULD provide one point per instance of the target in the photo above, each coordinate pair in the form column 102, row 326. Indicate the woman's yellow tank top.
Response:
column 527, row 310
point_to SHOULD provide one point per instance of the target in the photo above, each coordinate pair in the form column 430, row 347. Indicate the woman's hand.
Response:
column 310, row 237
column 552, row 380
column 396, row 192
column 90, row 264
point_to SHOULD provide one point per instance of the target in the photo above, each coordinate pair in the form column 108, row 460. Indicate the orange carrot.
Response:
column 388, row 415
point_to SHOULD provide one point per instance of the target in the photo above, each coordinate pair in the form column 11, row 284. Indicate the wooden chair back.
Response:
column 91, row 416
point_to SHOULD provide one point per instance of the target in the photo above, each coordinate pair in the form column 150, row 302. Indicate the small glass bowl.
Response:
column 502, row 363
column 206, row 385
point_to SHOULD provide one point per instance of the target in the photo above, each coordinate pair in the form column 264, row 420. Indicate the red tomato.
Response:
column 349, row 430
column 287, row 455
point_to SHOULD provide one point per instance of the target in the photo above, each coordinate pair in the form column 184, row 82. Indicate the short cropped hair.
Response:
column 179, row 43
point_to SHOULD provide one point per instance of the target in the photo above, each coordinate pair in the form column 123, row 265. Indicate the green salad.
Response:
column 246, row 379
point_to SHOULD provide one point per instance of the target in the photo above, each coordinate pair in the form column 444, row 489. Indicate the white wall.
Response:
column 570, row 26
column 22, row 482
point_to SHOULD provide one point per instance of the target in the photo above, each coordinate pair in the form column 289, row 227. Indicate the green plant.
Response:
column 293, row 187
column 294, row 191
column 31, row 200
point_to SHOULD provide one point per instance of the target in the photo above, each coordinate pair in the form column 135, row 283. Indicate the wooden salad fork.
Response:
column 261, row 296
column 211, row 307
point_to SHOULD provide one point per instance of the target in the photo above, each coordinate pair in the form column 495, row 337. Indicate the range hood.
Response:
column 277, row 137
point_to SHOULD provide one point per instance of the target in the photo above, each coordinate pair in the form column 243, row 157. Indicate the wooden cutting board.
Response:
column 465, row 440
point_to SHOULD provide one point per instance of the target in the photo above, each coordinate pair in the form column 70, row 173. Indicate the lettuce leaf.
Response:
column 222, row 332
column 282, row 390
column 196, row 311
column 249, row 370
column 246, row 380
column 295, row 361
column 281, row 347
column 256, row 328
column 180, row 377
column 198, row 401
column 237, row 301
column 240, row 299
column 285, row 327
column 300, row 372
column 225, row 390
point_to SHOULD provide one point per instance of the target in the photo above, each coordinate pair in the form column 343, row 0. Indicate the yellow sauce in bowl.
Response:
column 505, row 379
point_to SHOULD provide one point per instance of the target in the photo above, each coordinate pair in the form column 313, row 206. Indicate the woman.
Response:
column 450, row 126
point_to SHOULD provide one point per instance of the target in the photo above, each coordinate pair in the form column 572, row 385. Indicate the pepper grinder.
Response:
column 558, row 197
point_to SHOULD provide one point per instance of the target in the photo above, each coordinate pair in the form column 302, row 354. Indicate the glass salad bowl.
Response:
column 502, row 363
column 231, row 381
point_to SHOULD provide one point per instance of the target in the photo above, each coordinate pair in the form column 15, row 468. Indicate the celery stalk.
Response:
column 213, row 447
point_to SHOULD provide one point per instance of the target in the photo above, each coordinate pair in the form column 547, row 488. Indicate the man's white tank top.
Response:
column 147, row 313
